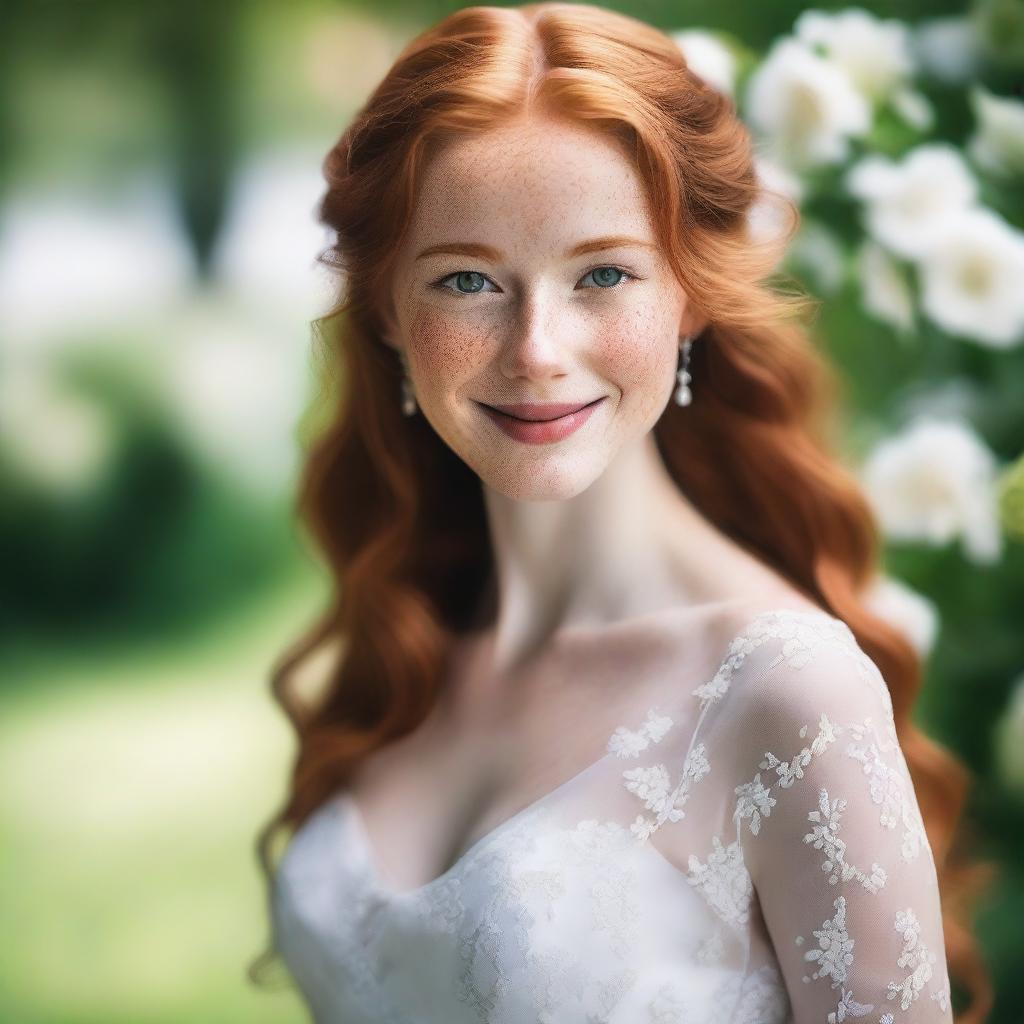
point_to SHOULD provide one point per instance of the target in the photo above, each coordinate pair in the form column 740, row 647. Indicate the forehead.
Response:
column 538, row 183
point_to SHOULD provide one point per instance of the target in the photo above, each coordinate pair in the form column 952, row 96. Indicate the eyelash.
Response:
column 602, row 266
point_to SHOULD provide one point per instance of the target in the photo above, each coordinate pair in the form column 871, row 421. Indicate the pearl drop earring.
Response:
column 408, row 397
column 683, row 394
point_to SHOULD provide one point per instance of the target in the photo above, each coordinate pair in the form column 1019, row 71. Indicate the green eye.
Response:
column 607, row 277
column 472, row 282
column 468, row 282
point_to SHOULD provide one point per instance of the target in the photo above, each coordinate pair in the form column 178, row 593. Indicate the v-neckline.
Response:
column 346, row 805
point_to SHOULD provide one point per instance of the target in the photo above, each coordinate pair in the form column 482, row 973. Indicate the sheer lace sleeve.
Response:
column 832, row 835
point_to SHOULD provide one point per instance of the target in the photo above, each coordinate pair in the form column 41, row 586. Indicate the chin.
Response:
column 551, row 482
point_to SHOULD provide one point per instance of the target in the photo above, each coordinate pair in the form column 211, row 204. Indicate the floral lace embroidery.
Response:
column 800, row 631
column 668, row 1006
column 849, row 1007
column 835, row 947
column 836, row 955
column 652, row 784
column 942, row 997
column 887, row 787
column 711, row 948
column 825, row 836
column 630, row 742
column 615, row 910
column 763, row 998
column 755, row 998
column 723, row 881
column 915, row 955
column 518, row 895
column 557, row 976
column 755, row 799
column 609, row 995
column 789, row 771
column 441, row 906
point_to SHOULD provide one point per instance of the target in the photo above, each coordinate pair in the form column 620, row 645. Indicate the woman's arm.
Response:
column 834, row 842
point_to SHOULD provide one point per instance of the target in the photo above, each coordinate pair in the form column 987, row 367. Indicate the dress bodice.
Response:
column 748, row 848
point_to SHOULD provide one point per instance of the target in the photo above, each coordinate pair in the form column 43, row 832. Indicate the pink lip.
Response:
column 542, row 431
column 539, row 410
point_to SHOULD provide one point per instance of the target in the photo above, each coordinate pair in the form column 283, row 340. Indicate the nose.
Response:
column 535, row 345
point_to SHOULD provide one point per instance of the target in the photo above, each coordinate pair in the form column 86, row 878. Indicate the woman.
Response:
column 611, row 735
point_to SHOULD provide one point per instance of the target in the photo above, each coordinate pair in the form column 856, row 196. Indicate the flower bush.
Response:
column 903, row 146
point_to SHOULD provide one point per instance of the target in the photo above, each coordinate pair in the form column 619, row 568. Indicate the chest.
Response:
column 561, row 915
column 493, row 747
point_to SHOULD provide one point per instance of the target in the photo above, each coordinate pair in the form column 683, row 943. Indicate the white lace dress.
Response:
column 746, row 850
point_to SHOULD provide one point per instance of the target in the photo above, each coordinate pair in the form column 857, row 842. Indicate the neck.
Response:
column 629, row 545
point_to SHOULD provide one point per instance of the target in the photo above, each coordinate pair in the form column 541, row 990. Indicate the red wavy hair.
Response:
column 399, row 517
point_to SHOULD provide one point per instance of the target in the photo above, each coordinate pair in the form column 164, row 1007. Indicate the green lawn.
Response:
column 131, row 790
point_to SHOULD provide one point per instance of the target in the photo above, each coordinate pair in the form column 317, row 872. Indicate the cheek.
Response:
column 639, row 352
column 444, row 351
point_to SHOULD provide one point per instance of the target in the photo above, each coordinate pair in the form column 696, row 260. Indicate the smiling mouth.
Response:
column 549, row 430
column 539, row 412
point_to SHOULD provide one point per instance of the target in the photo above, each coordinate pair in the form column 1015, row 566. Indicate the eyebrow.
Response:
column 493, row 255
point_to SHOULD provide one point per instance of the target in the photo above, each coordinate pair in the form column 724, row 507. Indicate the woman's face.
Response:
column 530, row 274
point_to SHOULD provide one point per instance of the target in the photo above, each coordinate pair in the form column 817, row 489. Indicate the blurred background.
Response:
column 159, row 173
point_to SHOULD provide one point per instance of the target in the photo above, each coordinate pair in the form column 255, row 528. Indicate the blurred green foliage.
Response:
column 141, row 614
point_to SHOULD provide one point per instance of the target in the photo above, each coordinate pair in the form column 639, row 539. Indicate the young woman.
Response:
column 608, row 733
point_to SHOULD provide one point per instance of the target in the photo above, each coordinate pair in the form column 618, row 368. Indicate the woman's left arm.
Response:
column 833, row 838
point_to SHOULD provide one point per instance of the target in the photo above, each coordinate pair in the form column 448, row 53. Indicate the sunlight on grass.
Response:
column 130, row 799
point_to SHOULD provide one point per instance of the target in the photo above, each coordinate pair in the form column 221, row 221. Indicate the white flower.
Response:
column 971, row 278
column 708, row 57
column 906, row 202
column 955, row 398
column 998, row 143
column 265, row 251
column 947, row 48
column 805, row 105
column 885, row 288
column 933, row 482
column 237, row 389
column 60, row 441
column 909, row 611
column 820, row 253
column 1009, row 739
column 779, row 178
column 914, row 107
column 874, row 53
column 766, row 217
column 119, row 262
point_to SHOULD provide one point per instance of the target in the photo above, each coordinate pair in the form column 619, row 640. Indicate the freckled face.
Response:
column 501, row 310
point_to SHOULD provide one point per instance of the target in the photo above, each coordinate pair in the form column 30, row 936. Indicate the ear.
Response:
column 389, row 329
column 691, row 323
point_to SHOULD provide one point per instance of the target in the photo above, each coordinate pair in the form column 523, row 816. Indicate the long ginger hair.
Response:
column 399, row 518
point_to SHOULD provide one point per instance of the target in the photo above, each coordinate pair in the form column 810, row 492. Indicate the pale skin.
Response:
column 605, row 571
